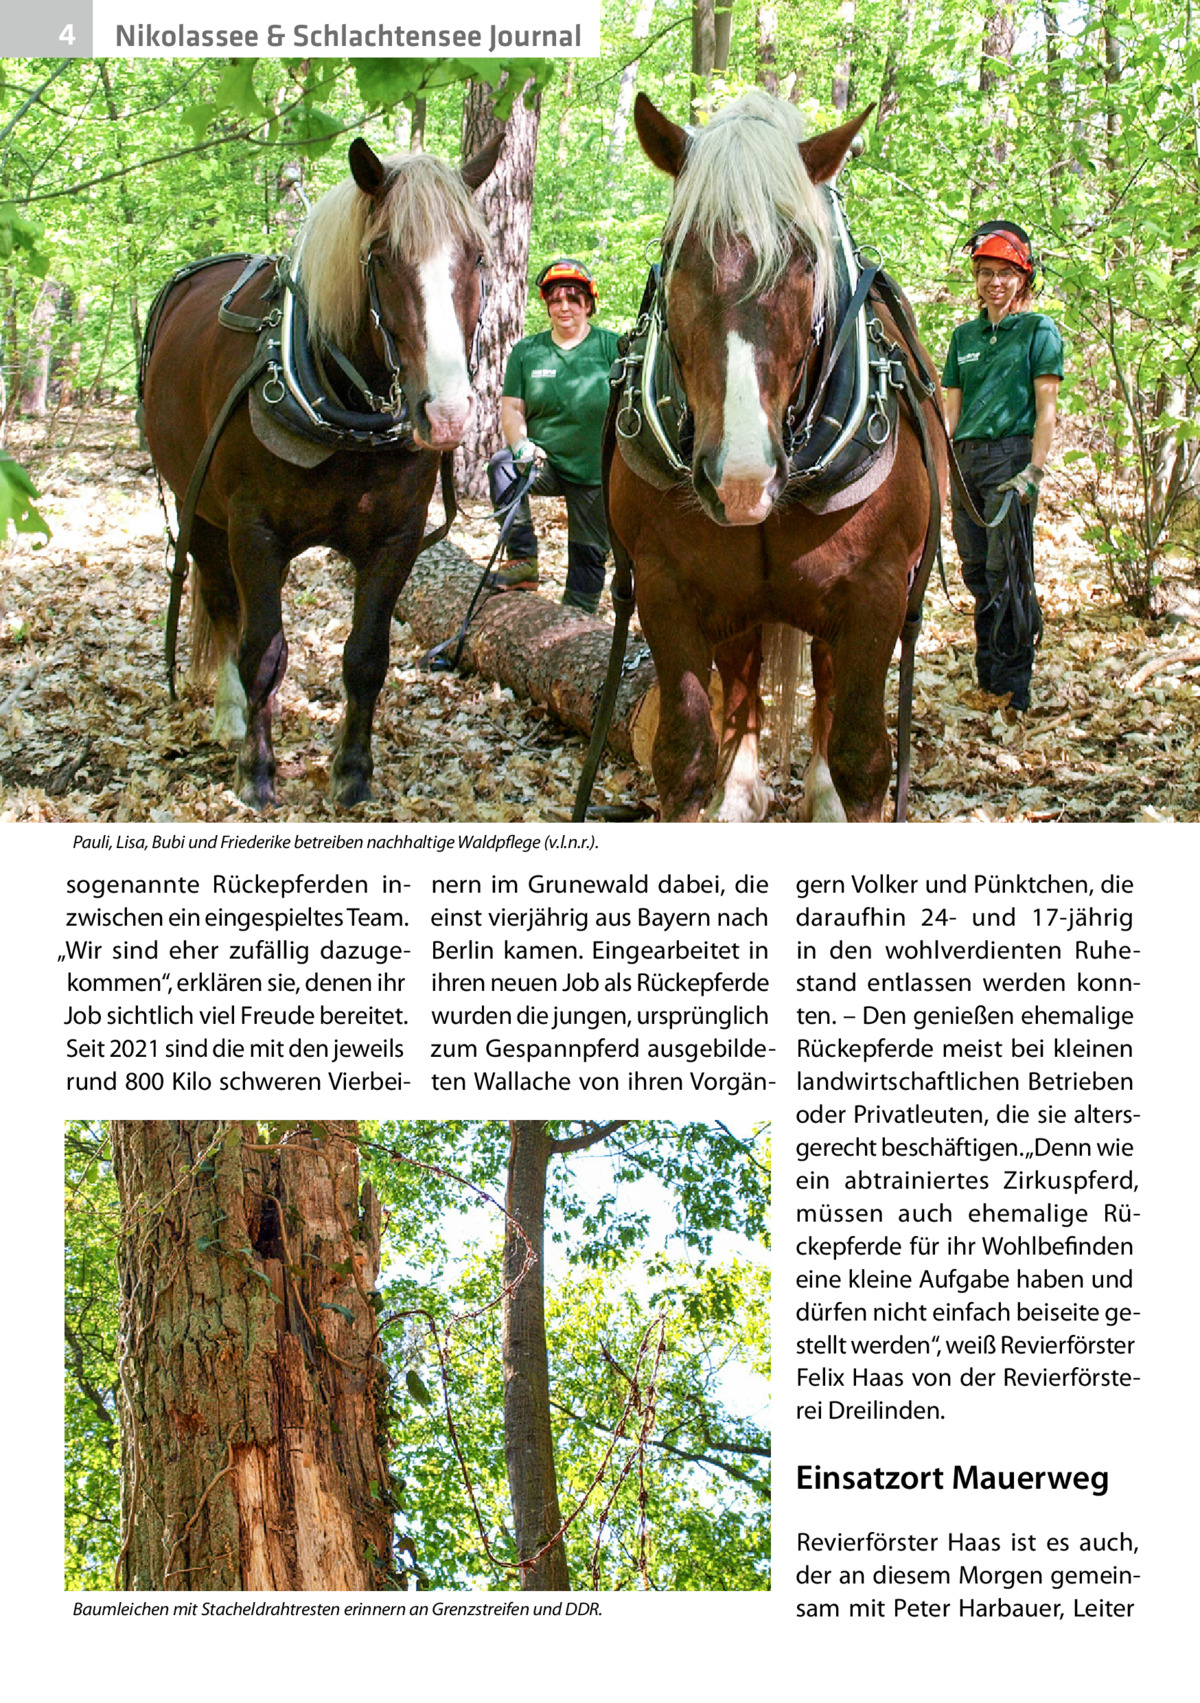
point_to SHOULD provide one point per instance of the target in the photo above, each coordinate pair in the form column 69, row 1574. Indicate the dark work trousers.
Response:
column 587, row 538
column 1001, row 665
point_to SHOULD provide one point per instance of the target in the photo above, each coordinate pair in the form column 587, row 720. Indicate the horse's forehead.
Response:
column 726, row 270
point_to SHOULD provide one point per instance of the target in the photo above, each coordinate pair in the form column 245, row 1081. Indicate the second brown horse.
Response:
column 748, row 269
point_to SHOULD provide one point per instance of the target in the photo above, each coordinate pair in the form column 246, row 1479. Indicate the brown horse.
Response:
column 748, row 269
column 409, row 223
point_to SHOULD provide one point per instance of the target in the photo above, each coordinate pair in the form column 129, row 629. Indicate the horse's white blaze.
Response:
column 445, row 355
column 821, row 800
column 229, row 709
column 746, row 465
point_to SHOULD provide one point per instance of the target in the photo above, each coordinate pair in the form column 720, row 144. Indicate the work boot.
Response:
column 519, row 575
column 581, row 600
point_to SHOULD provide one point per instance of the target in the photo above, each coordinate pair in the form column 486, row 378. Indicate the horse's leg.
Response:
column 260, row 563
column 377, row 584
column 742, row 795
column 684, row 757
column 860, row 752
column 216, row 617
column 821, row 802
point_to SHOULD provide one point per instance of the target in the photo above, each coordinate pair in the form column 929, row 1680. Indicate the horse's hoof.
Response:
column 740, row 803
column 821, row 802
column 347, row 790
column 256, row 791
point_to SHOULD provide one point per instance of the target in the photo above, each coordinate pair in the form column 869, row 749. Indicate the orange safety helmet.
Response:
column 565, row 271
column 998, row 240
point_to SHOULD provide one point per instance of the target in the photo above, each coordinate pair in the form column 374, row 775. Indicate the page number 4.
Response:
column 68, row 35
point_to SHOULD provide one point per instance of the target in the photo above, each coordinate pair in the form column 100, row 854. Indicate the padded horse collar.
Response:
column 836, row 431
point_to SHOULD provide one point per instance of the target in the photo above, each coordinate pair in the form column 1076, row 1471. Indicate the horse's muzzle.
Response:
column 442, row 425
column 737, row 501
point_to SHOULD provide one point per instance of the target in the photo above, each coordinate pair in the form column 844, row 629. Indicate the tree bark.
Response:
column 555, row 656
column 625, row 93
column 35, row 390
column 249, row 1376
column 528, row 1442
column 506, row 202
column 766, row 21
column 999, row 38
column 843, row 71
column 704, row 54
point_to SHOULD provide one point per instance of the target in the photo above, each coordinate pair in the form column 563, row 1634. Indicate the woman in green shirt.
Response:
column 554, row 402
column 1001, row 383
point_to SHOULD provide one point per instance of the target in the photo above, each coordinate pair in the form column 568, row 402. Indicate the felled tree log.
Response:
column 554, row 656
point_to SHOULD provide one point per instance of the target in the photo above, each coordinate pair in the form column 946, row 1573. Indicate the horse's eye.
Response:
column 479, row 263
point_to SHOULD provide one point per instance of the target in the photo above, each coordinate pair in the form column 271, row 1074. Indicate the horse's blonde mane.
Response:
column 426, row 207
column 744, row 177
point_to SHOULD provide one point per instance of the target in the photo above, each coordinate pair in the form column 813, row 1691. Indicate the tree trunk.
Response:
column 625, row 93
column 999, row 37
column 36, row 386
column 766, row 20
column 898, row 40
column 248, row 1363
column 704, row 55
column 843, row 71
column 506, row 202
column 528, row 1442
column 555, row 656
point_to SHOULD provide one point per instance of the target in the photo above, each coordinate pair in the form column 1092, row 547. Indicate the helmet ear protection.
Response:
column 565, row 271
column 1001, row 240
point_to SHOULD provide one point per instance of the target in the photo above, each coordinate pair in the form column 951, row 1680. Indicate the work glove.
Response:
column 524, row 454
column 1025, row 483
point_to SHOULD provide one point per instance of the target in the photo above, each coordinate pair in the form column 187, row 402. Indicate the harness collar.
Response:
column 834, row 425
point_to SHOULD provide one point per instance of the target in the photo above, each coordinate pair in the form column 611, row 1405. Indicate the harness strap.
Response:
column 623, row 606
column 245, row 321
column 449, row 503
column 849, row 319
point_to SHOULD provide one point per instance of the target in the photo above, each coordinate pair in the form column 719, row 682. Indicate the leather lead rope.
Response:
column 623, row 605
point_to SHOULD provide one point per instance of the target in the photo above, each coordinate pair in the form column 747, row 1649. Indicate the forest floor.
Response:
column 88, row 734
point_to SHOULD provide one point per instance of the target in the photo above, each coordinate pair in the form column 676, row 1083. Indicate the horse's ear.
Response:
column 479, row 169
column 367, row 168
column 664, row 144
column 823, row 155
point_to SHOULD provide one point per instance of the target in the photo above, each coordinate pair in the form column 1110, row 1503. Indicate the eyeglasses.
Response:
column 988, row 274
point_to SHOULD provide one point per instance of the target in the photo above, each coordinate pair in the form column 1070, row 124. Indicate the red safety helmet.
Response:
column 565, row 271
column 998, row 240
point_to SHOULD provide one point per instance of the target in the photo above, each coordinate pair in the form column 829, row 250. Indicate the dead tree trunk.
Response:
column 247, row 1362
column 528, row 1442
column 555, row 656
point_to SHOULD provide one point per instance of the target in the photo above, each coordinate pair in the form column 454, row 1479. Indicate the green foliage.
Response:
column 92, row 1489
column 17, row 499
column 646, row 1221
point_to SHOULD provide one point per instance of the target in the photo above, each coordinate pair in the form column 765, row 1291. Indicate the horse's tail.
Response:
column 206, row 651
column 782, row 658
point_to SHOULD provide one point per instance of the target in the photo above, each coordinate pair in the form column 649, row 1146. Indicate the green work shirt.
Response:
column 565, row 392
column 994, row 366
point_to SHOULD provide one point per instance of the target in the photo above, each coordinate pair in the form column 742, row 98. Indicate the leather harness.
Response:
column 291, row 388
